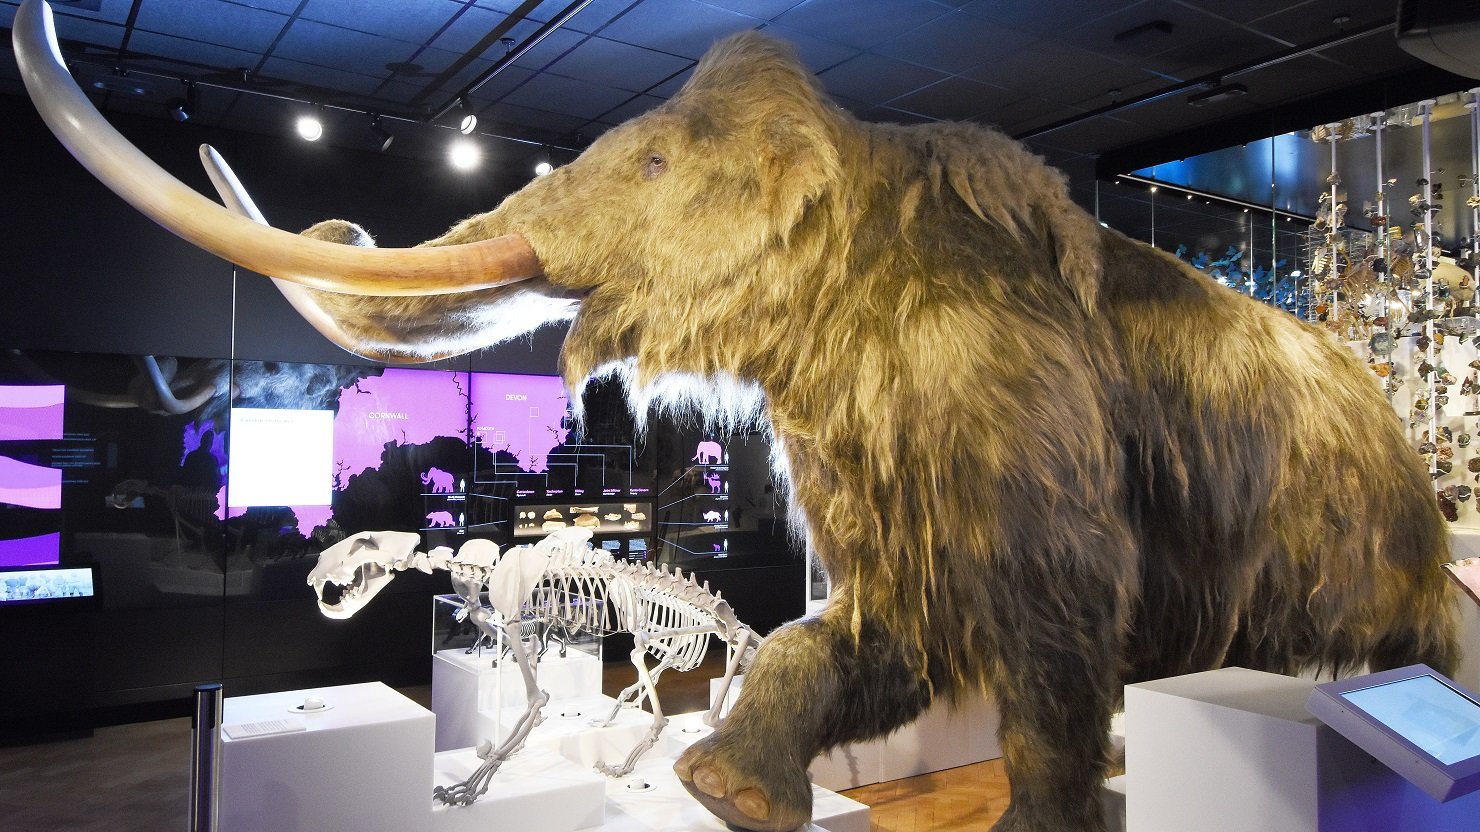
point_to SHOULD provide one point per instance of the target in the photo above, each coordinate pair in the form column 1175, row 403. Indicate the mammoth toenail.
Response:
column 753, row 804
column 709, row 782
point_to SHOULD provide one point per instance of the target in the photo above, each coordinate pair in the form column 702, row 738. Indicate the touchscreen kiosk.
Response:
column 1414, row 720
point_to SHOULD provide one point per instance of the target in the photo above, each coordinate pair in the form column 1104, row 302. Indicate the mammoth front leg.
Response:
column 812, row 687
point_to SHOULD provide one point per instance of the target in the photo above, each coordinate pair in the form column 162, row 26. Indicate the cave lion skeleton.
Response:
column 561, row 580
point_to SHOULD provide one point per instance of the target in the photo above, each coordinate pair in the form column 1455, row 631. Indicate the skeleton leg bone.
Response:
column 469, row 790
column 648, row 682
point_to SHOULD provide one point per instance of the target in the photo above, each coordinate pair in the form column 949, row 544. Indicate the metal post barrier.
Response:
column 205, row 748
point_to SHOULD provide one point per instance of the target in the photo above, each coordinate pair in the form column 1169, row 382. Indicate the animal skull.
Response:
column 357, row 568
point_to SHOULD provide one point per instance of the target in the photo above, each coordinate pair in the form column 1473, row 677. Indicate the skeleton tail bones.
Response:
column 566, row 583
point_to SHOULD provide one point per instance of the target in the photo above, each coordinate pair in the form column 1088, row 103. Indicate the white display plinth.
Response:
column 468, row 691
column 533, row 791
column 364, row 763
column 943, row 737
column 668, row 806
column 1233, row 750
column 567, row 731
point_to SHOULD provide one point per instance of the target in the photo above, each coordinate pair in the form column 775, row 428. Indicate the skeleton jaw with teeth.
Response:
column 351, row 572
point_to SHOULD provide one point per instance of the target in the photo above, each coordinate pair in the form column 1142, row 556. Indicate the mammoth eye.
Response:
column 655, row 166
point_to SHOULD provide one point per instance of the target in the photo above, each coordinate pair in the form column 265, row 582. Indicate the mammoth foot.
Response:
column 738, row 790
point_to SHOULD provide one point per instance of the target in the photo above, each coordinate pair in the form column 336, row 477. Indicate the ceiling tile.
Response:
column 279, row 6
column 875, row 78
column 182, row 49
column 636, row 107
column 889, row 115
column 863, row 24
column 84, row 31
column 618, row 65
column 313, row 75
column 1246, row 10
column 1188, row 26
column 762, row 9
column 670, row 88
column 678, row 27
column 1060, row 72
column 466, row 32
column 343, row 49
column 113, row 11
column 955, row 42
column 587, row 21
column 502, row 84
column 1211, row 55
column 815, row 53
column 954, row 99
column 513, row 115
column 224, row 23
column 1039, row 17
column 576, row 98
column 390, row 18
column 1313, row 21
column 1026, row 113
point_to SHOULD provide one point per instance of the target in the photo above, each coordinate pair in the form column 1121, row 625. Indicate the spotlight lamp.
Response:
column 469, row 121
column 464, row 154
column 384, row 136
column 181, row 109
column 310, row 126
column 543, row 166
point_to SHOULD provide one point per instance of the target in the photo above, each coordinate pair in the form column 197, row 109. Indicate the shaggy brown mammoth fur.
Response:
column 1036, row 458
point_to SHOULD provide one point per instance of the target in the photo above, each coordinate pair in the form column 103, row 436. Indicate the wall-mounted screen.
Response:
column 1419, row 723
column 41, row 585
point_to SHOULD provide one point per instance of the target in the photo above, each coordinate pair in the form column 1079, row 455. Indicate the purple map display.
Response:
column 522, row 415
column 31, row 551
column 399, row 407
column 31, row 413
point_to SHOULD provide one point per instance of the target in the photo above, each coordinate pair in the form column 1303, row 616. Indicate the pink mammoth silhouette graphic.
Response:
column 713, row 481
column 711, row 516
column 439, row 480
column 440, row 519
column 708, row 453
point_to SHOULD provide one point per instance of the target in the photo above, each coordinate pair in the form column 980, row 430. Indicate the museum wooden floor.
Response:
column 134, row 778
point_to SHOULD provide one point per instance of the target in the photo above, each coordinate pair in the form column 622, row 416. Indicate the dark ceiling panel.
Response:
column 1310, row 22
column 1026, row 112
column 345, row 49
column 863, row 24
column 619, row 65
column 1244, row 11
column 1062, row 73
column 1210, row 55
column 678, row 27
column 576, row 98
column 631, row 109
column 320, row 77
column 383, row 17
column 874, row 78
column 114, row 11
column 1188, row 26
column 956, row 42
column 1040, row 17
column 761, row 9
column 817, row 54
column 506, row 115
column 224, row 23
column 955, row 98
column 502, row 84
column 189, row 51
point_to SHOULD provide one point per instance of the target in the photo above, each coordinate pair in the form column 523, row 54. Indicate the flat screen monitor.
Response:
column 45, row 584
column 1414, row 720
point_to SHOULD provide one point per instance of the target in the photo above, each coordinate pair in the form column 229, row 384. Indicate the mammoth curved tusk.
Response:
column 167, row 399
column 64, row 107
column 236, row 199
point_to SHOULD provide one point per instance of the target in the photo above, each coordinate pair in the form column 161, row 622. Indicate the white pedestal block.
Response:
column 533, row 791
column 567, row 731
column 668, row 806
column 364, row 763
column 1233, row 750
column 943, row 737
column 468, row 691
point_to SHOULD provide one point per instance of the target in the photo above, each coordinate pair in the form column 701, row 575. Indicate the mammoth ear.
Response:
column 799, row 159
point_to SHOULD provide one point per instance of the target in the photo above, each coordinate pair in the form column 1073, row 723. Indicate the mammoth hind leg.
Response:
column 811, row 687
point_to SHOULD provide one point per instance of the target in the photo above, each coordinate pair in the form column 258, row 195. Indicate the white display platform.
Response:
column 468, row 691
column 1233, row 750
column 364, row 763
column 567, row 731
column 943, row 737
column 668, row 806
column 533, row 791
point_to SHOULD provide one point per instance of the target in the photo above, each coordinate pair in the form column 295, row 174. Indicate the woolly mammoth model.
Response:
column 1034, row 456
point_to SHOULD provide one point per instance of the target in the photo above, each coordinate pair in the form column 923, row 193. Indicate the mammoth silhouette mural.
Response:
column 1036, row 457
